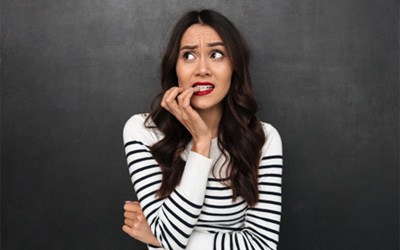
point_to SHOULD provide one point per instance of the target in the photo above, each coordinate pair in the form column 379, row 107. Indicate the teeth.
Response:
column 204, row 87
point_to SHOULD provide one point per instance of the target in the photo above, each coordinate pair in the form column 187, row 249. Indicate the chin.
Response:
column 203, row 105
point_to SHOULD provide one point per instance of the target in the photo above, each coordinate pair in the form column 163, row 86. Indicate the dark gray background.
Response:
column 325, row 75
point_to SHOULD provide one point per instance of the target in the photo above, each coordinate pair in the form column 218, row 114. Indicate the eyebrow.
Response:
column 191, row 47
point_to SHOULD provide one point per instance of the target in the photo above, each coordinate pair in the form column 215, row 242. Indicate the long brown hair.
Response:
column 240, row 133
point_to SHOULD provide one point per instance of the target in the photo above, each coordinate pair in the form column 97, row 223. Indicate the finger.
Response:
column 130, row 215
column 187, row 93
column 187, row 111
column 130, row 231
column 135, row 203
column 169, row 99
column 129, row 222
column 184, row 98
column 133, row 207
column 166, row 93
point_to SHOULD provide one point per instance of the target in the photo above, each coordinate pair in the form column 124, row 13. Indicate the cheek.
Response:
column 182, row 75
column 228, row 77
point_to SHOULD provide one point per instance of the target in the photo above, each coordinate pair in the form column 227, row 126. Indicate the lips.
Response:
column 204, row 88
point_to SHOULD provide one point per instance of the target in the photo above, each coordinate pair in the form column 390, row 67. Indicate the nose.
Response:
column 203, row 67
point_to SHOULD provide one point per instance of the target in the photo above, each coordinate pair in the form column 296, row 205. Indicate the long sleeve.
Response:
column 172, row 219
column 261, row 223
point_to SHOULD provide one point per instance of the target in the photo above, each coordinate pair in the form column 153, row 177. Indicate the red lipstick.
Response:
column 204, row 88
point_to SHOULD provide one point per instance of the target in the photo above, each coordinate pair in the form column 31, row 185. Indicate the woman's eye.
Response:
column 188, row 56
column 217, row 55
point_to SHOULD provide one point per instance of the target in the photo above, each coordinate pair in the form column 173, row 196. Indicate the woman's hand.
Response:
column 177, row 101
column 136, row 225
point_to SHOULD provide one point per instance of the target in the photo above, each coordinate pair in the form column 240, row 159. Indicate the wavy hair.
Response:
column 240, row 133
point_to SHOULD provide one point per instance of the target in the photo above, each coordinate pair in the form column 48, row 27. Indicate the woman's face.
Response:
column 203, row 61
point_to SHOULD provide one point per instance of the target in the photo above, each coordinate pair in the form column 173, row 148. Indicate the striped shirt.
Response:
column 200, row 213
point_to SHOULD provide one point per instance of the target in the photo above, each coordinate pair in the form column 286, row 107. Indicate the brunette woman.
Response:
column 207, row 172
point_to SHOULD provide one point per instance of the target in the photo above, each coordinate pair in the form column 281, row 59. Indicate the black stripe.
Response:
column 162, row 241
column 228, row 227
column 218, row 180
column 261, row 236
column 155, row 219
column 245, row 239
column 215, row 241
column 230, row 241
column 269, row 175
column 150, row 245
column 146, row 195
column 255, row 239
column 187, row 201
column 173, row 237
column 224, row 206
column 266, row 243
column 272, row 157
column 164, row 237
column 177, row 228
column 223, row 242
column 262, row 227
column 236, row 242
column 224, row 214
column 145, row 177
column 140, row 160
column 146, row 186
column 270, row 193
column 148, row 205
column 220, row 221
column 270, row 166
column 194, row 216
column 270, row 184
column 218, row 188
column 135, row 142
column 137, row 151
column 263, row 218
column 257, row 235
column 264, row 210
column 145, row 168
column 218, row 197
column 177, row 217
column 156, row 226
column 270, row 202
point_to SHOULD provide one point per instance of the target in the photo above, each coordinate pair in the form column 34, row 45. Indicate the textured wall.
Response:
column 325, row 75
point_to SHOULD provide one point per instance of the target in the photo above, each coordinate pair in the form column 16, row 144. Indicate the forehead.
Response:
column 200, row 33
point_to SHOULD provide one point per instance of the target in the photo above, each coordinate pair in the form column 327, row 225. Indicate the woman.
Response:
column 206, row 171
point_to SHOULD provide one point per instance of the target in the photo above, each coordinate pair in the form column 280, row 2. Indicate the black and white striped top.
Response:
column 200, row 213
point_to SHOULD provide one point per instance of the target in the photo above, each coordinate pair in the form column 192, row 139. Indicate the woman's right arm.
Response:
column 172, row 219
